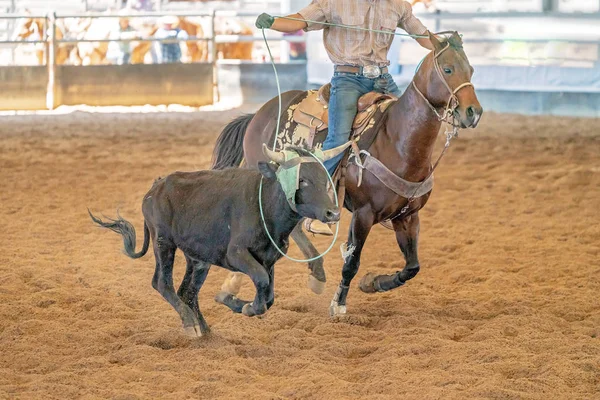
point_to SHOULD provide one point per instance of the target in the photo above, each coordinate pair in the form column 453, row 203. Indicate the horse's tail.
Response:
column 229, row 151
column 125, row 229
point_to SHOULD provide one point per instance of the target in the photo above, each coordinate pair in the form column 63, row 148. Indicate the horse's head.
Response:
column 446, row 74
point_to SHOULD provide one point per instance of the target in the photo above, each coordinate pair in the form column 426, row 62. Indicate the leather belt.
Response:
column 369, row 71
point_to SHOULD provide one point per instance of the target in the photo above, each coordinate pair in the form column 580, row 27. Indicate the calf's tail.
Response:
column 229, row 150
column 125, row 229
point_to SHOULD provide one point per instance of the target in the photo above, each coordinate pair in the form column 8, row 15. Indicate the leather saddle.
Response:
column 312, row 113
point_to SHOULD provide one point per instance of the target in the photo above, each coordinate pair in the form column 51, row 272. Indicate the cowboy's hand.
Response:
column 264, row 21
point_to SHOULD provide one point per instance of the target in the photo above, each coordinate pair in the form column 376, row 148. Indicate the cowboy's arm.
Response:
column 288, row 25
column 413, row 25
column 425, row 42
column 309, row 17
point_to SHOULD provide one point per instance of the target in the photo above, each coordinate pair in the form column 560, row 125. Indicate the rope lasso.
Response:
column 357, row 28
column 260, row 186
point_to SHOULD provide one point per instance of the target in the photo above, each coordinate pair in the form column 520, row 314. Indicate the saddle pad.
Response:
column 309, row 116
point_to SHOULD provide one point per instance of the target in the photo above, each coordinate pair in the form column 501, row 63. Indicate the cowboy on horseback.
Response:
column 360, row 57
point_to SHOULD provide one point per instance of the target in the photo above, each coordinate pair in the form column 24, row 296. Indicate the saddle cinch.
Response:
column 312, row 113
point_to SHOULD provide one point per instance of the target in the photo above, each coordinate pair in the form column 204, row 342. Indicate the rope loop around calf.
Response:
column 260, row 186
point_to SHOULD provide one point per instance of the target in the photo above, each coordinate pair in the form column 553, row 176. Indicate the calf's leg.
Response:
column 316, row 279
column 164, row 252
column 271, row 293
column 233, row 281
column 195, row 275
column 243, row 261
column 229, row 290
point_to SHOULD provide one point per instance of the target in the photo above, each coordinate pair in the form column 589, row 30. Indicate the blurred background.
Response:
column 530, row 56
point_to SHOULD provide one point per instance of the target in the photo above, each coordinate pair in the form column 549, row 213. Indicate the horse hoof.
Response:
column 315, row 285
column 336, row 310
column 193, row 331
column 367, row 283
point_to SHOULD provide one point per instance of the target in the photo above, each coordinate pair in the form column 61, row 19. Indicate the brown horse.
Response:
column 404, row 144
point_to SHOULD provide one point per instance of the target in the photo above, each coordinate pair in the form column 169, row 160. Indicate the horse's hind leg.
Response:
column 195, row 275
column 316, row 279
column 407, row 234
column 164, row 251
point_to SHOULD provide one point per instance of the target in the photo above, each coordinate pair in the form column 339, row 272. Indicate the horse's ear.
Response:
column 437, row 45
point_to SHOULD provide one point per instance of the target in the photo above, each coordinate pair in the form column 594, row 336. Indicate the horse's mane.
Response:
column 454, row 40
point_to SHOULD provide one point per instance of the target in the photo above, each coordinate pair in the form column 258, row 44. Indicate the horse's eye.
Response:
column 448, row 70
column 303, row 183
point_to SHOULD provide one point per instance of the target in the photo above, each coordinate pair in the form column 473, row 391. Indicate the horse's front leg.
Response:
column 407, row 234
column 362, row 221
column 316, row 279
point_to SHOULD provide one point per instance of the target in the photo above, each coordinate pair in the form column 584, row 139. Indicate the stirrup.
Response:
column 317, row 227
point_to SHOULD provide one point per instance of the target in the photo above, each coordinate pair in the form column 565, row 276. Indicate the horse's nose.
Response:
column 470, row 111
column 474, row 115
column 333, row 214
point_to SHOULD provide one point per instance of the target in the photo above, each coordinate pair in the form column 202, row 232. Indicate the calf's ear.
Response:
column 267, row 169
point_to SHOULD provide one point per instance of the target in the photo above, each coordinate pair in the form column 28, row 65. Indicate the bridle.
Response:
column 447, row 116
column 452, row 104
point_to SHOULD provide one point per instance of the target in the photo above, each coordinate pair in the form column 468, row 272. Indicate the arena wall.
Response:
column 23, row 88
column 129, row 85
column 256, row 83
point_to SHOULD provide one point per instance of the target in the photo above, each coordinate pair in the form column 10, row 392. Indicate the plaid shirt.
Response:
column 355, row 47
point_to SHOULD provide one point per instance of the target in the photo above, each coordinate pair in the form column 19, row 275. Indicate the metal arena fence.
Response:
column 562, row 54
column 184, row 83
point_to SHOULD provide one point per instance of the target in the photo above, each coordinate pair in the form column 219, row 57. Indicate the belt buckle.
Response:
column 371, row 71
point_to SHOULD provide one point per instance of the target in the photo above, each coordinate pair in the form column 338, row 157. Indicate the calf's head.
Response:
column 304, row 180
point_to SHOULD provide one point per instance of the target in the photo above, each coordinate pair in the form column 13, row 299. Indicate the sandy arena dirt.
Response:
column 506, row 305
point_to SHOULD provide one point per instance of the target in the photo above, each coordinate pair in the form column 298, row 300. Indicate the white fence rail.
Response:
column 51, row 43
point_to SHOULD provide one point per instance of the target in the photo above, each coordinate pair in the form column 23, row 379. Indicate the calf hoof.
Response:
column 315, row 285
column 335, row 309
column 368, row 284
column 250, row 311
column 194, row 331
column 223, row 297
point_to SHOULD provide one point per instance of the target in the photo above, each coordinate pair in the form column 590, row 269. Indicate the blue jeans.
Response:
column 346, row 88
